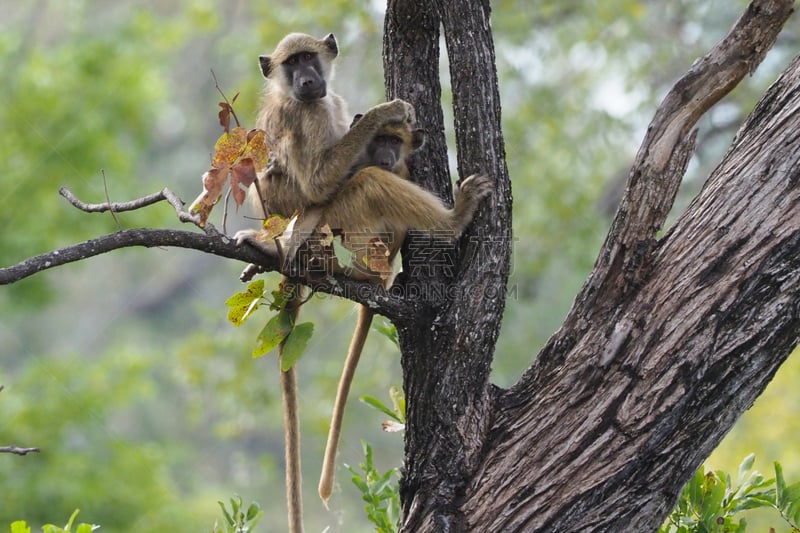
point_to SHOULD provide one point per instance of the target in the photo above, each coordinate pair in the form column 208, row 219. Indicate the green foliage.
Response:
column 237, row 520
column 21, row 526
column 379, row 490
column 388, row 330
column 710, row 503
column 398, row 410
column 279, row 328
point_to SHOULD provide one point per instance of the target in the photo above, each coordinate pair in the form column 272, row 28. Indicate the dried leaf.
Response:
column 229, row 147
column 225, row 116
column 257, row 149
column 243, row 174
column 275, row 225
column 326, row 235
column 213, row 183
column 378, row 258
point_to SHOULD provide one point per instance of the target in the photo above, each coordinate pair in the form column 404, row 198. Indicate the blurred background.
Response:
column 124, row 369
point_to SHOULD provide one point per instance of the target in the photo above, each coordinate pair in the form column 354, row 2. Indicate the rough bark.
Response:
column 448, row 409
column 668, row 342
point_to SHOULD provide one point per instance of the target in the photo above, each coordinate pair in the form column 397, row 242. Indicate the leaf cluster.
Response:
column 279, row 328
column 238, row 520
column 20, row 526
column 710, row 503
column 379, row 490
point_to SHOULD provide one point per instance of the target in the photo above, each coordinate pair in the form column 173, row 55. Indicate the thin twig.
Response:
column 261, row 199
column 225, row 211
column 108, row 201
column 230, row 106
column 17, row 450
column 164, row 194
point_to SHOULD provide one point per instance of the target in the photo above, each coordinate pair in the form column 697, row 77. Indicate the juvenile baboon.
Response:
column 390, row 147
column 379, row 205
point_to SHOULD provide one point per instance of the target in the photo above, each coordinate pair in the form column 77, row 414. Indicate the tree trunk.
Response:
column 669, row 341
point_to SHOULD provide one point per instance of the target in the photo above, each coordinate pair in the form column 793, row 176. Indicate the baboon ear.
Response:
column 356, row 118
column 266, row 65
column 330, row 42
column 417, row 138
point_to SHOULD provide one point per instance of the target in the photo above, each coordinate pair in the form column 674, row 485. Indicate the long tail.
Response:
column 353, row 355
column 291, row 422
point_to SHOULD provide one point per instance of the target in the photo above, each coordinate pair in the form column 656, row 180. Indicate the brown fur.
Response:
column 409, row 140
column 310, row 141
column 377, row 203
column 312, row 151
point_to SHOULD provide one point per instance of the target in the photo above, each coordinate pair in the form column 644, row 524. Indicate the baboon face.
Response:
column 385, row 151
column 301, row 65
column 303, row 72
column 393, row 143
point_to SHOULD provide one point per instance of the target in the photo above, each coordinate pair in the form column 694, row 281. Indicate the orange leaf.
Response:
column 257, row 149
column 243, row 174
column 275, row 225
column 225, row 116
column 213, row 183
column 229, row 147
column 378, row 258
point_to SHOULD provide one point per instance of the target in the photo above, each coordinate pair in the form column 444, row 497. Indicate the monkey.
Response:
column 307, row 126
column 381, row 203
column 390, row 147
column 312, row 150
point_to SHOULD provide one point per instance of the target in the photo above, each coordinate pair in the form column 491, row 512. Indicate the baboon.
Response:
column 307, row 125
column 312, row 150
column 378, row 205
column 390, row 147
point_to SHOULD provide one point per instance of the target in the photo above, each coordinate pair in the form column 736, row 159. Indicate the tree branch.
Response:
column 119, row 207
column 17, row 450
column 393, row 304
column 661, row 161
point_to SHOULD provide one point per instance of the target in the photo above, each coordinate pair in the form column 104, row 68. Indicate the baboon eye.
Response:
column 307, row 56
column 292, row 60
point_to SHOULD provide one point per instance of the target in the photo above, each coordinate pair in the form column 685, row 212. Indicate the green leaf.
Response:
column 388, row 330
column 277, row 329
column 84, row 528
column 380, row 406
column 236, row 503
column 745, row 466
column 20, row 527
column 398, row 402
column 242, row 304
column 72, row 519
column 253, row 511
column 712, row 501
column 279, row 299
column 225, row 513
column 791, row 503
column 295, row 344
column 694, row 489
column 780, row 486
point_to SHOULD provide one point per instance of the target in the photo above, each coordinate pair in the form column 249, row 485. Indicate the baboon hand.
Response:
column 245, row 235
column 256, row 239
column 399, row 111
column 477, row 186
